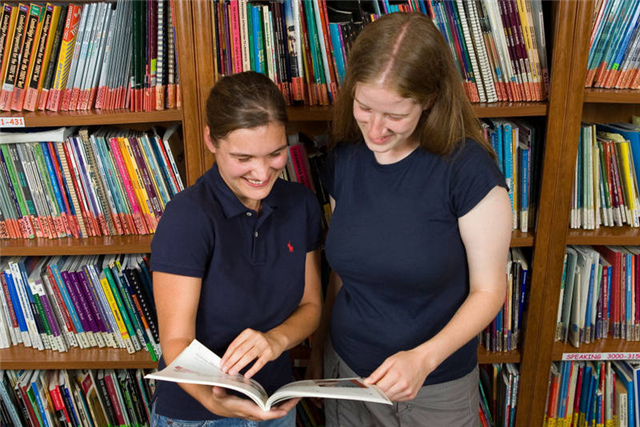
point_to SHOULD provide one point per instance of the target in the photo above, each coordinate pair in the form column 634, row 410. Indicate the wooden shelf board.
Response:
column 612, row 96
column 72, row 246
column 520, row 239
column 494, row 109
column 605, row 236
column 93, row 117
column 485, row 356
column 510, row 109
column 20, row 357
column 609, row 345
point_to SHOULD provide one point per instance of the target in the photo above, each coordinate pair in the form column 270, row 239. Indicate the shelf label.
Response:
column 11, row 122
column 600, row 356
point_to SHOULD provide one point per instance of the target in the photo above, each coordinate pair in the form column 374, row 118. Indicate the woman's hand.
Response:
column 230, row 406
column 252, row 345
column 402, row 375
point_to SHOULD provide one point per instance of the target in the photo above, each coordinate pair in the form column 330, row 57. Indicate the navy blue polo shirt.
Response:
column 252, row 268
column 395, row 243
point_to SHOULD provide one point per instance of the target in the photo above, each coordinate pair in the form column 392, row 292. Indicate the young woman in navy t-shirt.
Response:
column 235, row 261
column 419, row 236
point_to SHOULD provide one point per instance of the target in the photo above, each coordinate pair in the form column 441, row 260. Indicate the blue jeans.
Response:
column 288, row 420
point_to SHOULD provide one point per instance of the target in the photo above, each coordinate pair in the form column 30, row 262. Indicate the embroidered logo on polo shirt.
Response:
column 290, row 246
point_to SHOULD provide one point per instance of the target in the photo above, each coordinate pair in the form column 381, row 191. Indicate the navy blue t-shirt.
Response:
column 395, row 243
column 252, row 268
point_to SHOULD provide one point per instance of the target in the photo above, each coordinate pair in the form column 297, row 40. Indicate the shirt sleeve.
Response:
column 184, row 240
column 473, row 174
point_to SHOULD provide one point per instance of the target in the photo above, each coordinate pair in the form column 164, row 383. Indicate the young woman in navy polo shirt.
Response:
column 419, row 236
column 235, row 261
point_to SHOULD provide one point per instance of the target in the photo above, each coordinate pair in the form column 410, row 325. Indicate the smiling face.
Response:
column 386, row 121
column 250, row 160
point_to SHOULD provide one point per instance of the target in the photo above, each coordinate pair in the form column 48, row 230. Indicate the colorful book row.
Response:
column 517, row 145
column 499, row 385
column 63, row 302
column 81, row 183
column 600, row 295
column 605, row 189
column 303, row 45
column 499, row 47
column 593, row 394
column 504, row 332
column 614, row 55
column 93, row 55
column 74, row 398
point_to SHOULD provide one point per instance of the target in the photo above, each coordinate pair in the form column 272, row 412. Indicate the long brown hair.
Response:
column 411, row 57
column 243, row 101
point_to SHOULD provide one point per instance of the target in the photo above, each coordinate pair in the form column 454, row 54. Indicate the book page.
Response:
column 199, row 365
column 339, row 388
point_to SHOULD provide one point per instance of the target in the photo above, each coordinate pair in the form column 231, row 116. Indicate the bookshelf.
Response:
column 20, row 357
column 568, row 25
column 590, row 105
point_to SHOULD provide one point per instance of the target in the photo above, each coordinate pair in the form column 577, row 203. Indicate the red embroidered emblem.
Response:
column 290, row 246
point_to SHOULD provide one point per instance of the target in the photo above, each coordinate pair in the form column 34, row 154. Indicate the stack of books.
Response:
column 70, row 182
column 498, row 47
column 67, row 57
column 57, row 303
column 614, row 55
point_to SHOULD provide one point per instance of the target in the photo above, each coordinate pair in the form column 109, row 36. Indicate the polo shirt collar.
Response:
column 229, row 202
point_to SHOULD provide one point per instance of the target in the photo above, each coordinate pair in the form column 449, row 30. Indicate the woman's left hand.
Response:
column 250, row 345
column 401, row 376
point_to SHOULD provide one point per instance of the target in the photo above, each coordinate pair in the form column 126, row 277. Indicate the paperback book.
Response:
column 199, row 365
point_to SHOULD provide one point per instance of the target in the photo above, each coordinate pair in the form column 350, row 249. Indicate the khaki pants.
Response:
column 450, row 404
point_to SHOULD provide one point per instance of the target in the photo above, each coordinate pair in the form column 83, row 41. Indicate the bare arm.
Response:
column 486, row 233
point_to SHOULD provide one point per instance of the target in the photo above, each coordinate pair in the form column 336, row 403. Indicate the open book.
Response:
column 199, row 365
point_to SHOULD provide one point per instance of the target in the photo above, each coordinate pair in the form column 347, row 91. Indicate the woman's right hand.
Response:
column 230, row 406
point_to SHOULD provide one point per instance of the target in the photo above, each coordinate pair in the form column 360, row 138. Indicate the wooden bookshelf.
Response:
column 581, row 105
column 93, row 117
column 72, row 246
column 605, row 236
column 485, row 356
column 520, row 239
column 21, row 357
column 608, row 345
column 612, row 96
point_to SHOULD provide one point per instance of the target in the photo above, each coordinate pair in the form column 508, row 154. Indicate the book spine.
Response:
column 124, row 333
column 65, row 56
column 53, row 50
column 42, row 53
column 124, row 175
column 10, row 311
column 92, row 307
column 133, row 340
column 31, row 39
column 65, row 325
column 14, row 58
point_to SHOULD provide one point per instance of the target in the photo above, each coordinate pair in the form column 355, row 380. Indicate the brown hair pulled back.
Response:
column 243, row 101
column 407, row 54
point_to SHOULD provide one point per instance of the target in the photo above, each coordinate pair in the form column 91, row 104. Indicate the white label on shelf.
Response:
column 11, row 122
column 600, row 356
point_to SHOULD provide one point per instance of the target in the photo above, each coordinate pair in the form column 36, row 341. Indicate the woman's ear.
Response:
column 207, row 140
